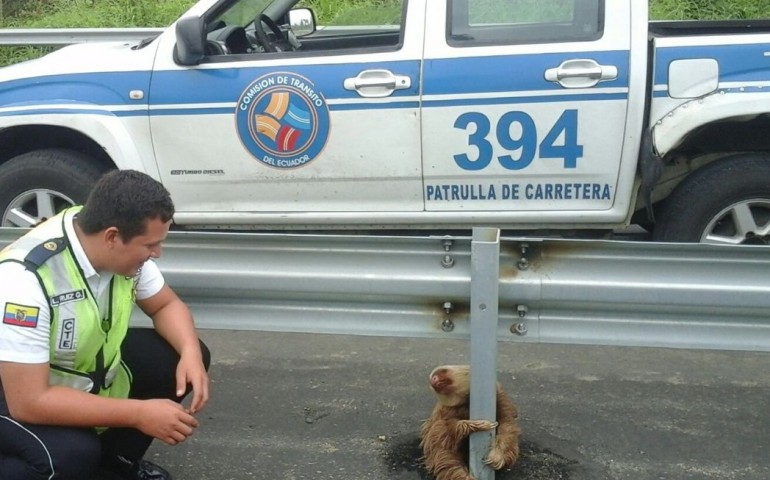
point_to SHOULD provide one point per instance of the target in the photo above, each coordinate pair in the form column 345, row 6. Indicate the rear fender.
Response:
column 671, row 130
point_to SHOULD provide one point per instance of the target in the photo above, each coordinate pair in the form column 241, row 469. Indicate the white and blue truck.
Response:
column 565, row 116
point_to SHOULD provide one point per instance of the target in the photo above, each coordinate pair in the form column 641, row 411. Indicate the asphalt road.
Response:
column 322, row 407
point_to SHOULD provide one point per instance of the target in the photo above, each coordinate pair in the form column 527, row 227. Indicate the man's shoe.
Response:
column 121, row 468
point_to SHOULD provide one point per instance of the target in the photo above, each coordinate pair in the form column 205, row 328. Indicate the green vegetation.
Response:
column 84, row 14
column 709, row 9
column 95, row 13
column 355, row 12
column 158, row 13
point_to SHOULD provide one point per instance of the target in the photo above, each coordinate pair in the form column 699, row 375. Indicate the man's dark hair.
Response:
column 125, row 199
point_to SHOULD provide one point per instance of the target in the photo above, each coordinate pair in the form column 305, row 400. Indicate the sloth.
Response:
column 444, row 436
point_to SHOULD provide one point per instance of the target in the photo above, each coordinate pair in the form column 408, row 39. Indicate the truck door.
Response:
column 525, row 105
column 327, row 126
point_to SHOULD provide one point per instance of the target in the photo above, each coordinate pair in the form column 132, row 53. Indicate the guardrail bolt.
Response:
column 521, row 327
column 447, row 325
column 447, row 261
column 523, row 261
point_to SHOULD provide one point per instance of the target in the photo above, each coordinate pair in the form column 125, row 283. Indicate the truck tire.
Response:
column 725, row 202
column 38, row 184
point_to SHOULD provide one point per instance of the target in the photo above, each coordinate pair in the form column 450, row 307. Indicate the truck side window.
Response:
column 346, row 26
column 381, row 13
column 509, row 22
column 238, row 29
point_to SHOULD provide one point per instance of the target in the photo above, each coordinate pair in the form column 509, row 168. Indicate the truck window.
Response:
column 240, row 28
column 505, row 22
column 380, row 13
column 343, row 26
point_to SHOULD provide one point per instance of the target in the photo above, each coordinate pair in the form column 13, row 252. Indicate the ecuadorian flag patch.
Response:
column 20, row 315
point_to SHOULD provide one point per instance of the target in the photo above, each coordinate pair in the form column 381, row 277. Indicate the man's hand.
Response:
column 190, row 371
column 165, row 420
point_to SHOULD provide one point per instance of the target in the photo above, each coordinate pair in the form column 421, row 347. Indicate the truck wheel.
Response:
column 37, row 185
column 726, row 202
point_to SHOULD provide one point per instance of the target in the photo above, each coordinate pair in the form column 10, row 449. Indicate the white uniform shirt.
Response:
column 19, row 286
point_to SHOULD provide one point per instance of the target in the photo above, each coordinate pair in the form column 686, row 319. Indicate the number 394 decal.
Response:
column 525, row 143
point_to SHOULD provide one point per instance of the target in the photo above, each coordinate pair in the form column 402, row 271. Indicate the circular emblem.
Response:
column 282, row 120
column 50, row 246
column 20, row 315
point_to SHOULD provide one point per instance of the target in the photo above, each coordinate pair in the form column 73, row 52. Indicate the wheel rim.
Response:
column 746, row 222
column 32, row 206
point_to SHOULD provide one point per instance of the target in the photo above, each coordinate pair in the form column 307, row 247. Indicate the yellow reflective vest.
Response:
column 84, row 348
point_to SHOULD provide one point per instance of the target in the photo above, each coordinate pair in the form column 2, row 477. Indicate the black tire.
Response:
column 725, row 202
column 38, row 184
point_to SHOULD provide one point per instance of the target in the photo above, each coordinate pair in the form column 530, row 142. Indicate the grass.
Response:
column 709, row 9
column 86, row 14
column 159, row 13
column 355, row 12
column 96, row 13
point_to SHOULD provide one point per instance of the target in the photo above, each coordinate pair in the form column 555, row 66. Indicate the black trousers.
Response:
column 32, row 452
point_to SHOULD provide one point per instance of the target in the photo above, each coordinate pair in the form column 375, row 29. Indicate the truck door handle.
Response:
column 581, row 73
column 377, row 83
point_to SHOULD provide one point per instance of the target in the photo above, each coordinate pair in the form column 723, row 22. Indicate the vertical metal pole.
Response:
column 485, row 272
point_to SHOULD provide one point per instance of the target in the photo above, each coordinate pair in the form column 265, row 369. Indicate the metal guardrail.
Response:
column 550, row 291
column 612, row 293
column 67, row 36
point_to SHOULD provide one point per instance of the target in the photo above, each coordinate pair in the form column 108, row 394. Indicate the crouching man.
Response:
column 82, row 395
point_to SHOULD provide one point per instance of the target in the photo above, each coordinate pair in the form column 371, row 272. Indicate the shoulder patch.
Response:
column 20, row 315
column 38, row 255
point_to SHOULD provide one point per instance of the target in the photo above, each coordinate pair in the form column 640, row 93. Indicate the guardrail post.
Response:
column 485, row 272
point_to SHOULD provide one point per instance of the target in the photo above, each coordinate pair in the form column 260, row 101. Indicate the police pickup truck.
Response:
column 551, row 115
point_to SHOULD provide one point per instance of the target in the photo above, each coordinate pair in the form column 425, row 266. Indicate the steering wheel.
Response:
column 262, row 38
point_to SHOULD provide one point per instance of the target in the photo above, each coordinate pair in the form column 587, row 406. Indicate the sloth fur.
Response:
column 444, row 436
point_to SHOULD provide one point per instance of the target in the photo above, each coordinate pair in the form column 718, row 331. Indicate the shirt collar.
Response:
column 80, row 254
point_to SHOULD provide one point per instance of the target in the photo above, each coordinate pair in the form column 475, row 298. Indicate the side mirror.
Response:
column 190, row 41
column 302, row 21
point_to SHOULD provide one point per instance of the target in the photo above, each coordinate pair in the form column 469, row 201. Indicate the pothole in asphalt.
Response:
column 402, row 454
